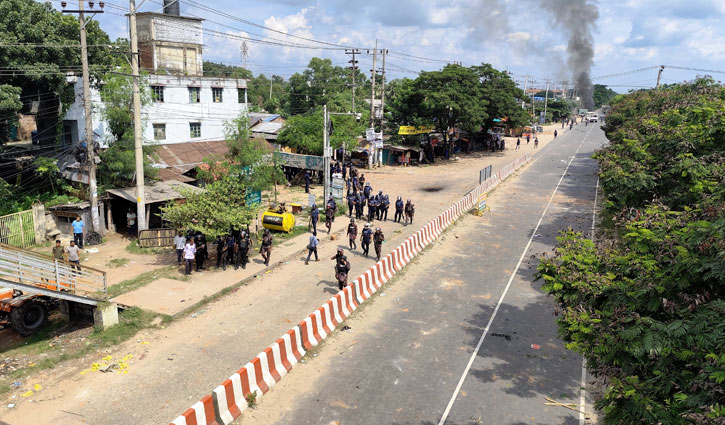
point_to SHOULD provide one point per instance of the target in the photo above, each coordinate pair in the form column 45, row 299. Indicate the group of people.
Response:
column 528, row 140
column 232, row 249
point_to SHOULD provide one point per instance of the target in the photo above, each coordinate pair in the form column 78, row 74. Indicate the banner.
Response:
column 308, row 162
column 410, row 130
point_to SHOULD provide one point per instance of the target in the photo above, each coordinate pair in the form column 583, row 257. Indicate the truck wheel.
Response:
column 28, row 318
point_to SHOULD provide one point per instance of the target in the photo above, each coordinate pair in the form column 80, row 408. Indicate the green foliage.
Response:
column 645, row 305
column 603, row 95
column 10, row 105
column 212, row 211
column 503, row 97
column 304, row 132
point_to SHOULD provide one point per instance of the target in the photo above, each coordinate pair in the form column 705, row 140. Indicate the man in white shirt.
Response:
column 189, row 255
column 74, row 256
column 179, row 242
column 131, row 222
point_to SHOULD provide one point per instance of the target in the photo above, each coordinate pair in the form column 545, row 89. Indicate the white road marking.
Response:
column 506, row 289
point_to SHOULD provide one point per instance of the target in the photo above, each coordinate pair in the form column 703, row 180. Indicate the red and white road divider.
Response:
column 256, row 378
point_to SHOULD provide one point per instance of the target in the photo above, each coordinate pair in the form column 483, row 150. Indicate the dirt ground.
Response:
column 167, row 369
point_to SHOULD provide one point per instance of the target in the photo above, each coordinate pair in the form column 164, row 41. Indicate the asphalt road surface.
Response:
column 465, row 336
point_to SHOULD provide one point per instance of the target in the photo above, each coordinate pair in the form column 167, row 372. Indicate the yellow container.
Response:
column 284, row 222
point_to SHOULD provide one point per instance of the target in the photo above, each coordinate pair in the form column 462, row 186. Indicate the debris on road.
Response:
column 570, row 406
column 536, row 346
column 504, row 336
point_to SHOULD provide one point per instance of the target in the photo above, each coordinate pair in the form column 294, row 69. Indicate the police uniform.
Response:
column 352, row 234
column 350, row 203
column 266, row 248
column 372, row 207
column 367, row 234
column 378, row 239
column 398, row 210
column 245, row 243
column 314, row 217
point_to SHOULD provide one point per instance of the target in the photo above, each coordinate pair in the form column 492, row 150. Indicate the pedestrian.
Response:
column 266, row 248
column 378, row 239
column 221, row 250
column 58, row 251
column 308, row 179
column 342, row 267
column 329, row 214
column 344, row 171
column 231, row 251
column 189, row 255
column 312, row 247
column 361, row 180
column 179, row 241
column 245, row 243
column 556, row 133
column 518, row 143
column 536, row 143
column 386, row 207
column 352, row 233
column 314, row 217
column 528, row 138
column 372, row 207
column 201, row 252
column 571, row 126
column 350, row 203
column 361, row 206
column 367, row 190
column 131, row 222
column 562, row 123
column 74, row 257
column 367, row 234
column 409, row 212
column 398, row 210
column 332, row 204
column 78, row 226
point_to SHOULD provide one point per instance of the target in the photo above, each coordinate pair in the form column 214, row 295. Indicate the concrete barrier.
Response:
column 229, row 400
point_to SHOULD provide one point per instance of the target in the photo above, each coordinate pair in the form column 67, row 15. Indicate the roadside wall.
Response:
column 256, row 378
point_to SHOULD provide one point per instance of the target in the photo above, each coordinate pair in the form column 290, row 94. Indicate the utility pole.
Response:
column 533, row 102
column 326, row 154
column 353, row 67
column 526, row 86
column 659, row 75
column 137, row 136
column 372, row 95
column 93, row 189
column 382, row 107
column 270, row 89
column 546, row 100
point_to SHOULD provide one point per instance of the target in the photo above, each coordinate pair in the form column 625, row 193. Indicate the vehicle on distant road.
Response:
column 592, row 117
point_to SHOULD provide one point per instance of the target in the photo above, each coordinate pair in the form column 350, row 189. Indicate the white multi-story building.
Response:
column 186, row 106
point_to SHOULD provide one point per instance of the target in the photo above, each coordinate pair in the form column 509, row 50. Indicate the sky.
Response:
column 521, row 36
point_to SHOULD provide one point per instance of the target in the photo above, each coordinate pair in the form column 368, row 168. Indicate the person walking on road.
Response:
column 58, row 251
column 409, row 212
column 74, row 257
column 189, row 255
column 378, row 239
column 352, row 233
column 536, row 143
column 314, row 217
column 308, row 179
column 367, row 234
column 528, row 138
column 312, row 248
column 179, row 242
column 518, row 144
column 78, row 226
column 329, row 214
column 342, row 267
column 556, row 133
column 386, row 206
column 350, row 203
column 266, row 248
column 399, row 209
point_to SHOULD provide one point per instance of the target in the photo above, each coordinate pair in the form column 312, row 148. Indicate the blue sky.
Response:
column 518, row 35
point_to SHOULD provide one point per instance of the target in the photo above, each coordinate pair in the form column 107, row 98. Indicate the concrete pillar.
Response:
column 105, row 315
column 39, row 223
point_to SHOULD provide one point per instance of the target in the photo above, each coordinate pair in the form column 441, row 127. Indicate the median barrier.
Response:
column 229, row 400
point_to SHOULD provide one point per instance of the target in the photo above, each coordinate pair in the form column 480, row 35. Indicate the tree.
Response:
column 304, row 132
column 503, row 97
column 31, row 31
column 10, row 105
column 212, row 211
column 315, row 86
column 603, row 95
column 645, row 305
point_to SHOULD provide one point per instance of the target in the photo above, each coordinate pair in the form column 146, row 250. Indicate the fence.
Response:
column 45, row 272
column 156, row 237
column 18, row 229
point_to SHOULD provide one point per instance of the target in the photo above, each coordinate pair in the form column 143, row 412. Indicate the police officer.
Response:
column 367, row 234
column 372, row 207
column 221, row 249
column 329, row 217
column 350, row 203
column 308, row 179
column 398, row 210
column 361, row 205
column 361, row 180
column 314, row 217
column 201, row 252
column 245, row 243
column 232, row 250
column 354, row 184
column 352, row 233
column 409, row 211
column 367, row 190
column 386, row 207
column 342, row 267
column 332, row 204
column 266, row 248
column 378, row 238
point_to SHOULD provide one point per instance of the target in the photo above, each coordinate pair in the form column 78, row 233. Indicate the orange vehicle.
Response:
column 26, row 314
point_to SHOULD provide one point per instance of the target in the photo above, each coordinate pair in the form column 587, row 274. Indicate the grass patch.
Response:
column 134, row 248
column 117, row 262
column 170, row 272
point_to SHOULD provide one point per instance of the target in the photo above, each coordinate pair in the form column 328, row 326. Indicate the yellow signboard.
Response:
column 409, row 130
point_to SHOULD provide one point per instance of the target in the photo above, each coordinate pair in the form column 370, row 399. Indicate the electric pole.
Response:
column 372, row 95
column 659, row 75
column 326, row 154
column 526, row 86
column 93, row 189
column 546, row 100
column 270, row 89
column 137, row 135
column 353, row 67
column 382, row 106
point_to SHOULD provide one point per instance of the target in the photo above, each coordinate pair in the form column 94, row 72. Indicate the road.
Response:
column 174, row 365
column 465, row 336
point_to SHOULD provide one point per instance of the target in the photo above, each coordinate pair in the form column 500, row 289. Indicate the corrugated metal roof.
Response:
column 157, row 192
column 268, row 127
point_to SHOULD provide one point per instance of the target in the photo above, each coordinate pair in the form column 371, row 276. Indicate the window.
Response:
column 241, row 95
column 194, row 94
column 159, row 131
column 194, row 130
column 157, row 93
column 216, row 94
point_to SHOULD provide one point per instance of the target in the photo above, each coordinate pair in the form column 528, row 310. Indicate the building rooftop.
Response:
column 163, row 15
